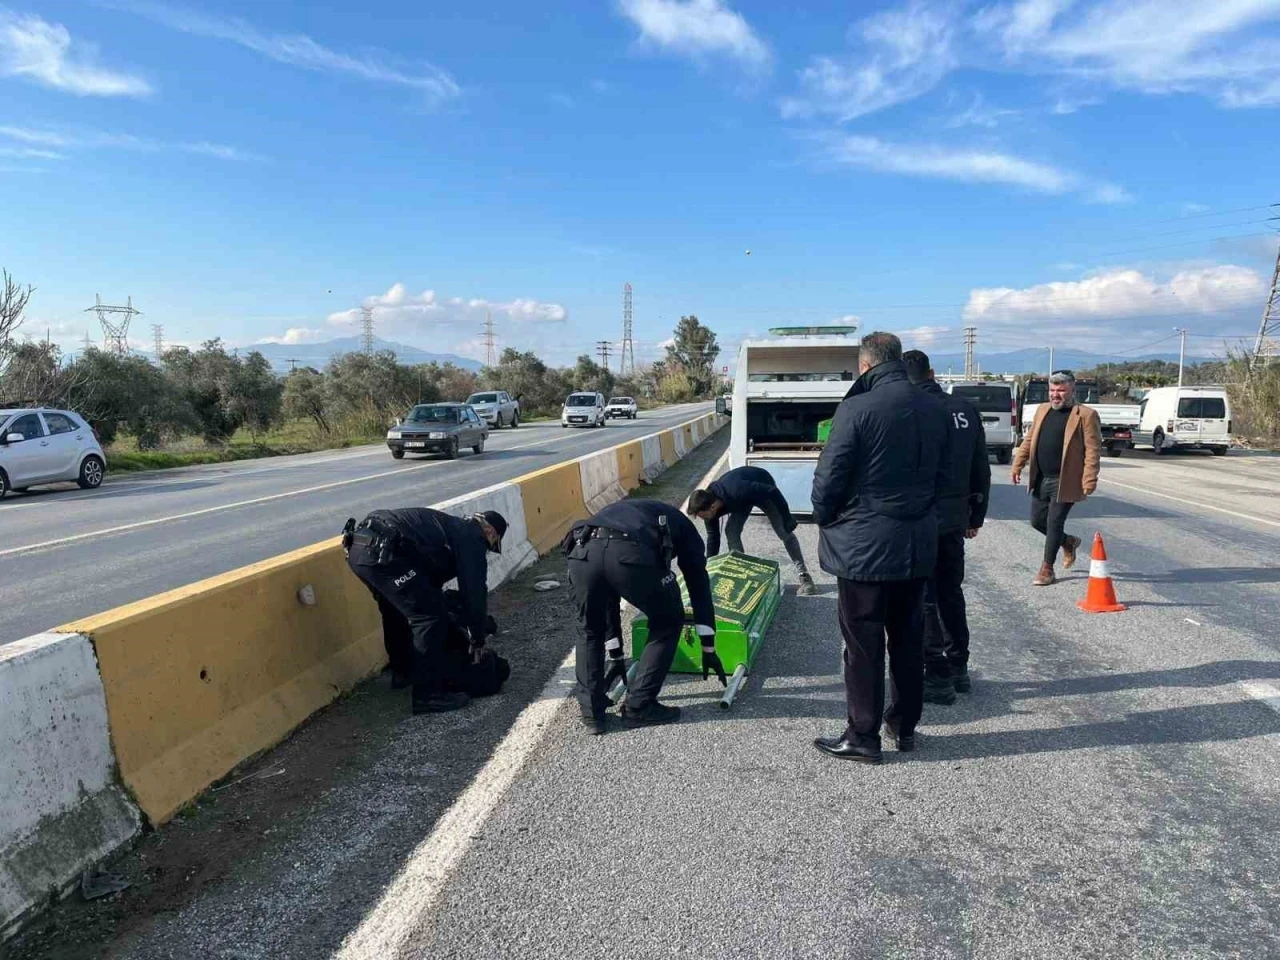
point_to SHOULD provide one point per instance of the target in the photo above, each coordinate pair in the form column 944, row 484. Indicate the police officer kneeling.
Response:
column 405, row 557
column 962, row 508
column 625, row 552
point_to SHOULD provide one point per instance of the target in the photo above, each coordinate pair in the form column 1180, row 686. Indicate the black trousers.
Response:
column 1049, row 516
column 603, row 573
column 784, row 526
column 413, row 608
column 946, row 626
column 870, row 612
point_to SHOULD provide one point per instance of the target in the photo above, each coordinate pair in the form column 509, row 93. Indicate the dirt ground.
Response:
column 237, row 834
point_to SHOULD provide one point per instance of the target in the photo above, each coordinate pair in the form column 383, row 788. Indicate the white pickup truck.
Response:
column 1119, row 420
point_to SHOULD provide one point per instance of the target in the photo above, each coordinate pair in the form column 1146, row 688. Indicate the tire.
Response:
column 451, row 451
column 1219, row 451
column 1114, row 451
column 397, row 454
column 4, row 484
column 515, row 420
column 1003, row 456
column 91, row 473
column 498, row 423
column 479, row 447
column 1157, row 443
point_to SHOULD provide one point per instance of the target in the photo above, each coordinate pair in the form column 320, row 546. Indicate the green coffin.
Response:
column 746, row 591
column 824, row 431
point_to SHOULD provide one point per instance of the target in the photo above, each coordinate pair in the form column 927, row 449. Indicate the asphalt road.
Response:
column 1106, row 790
column 68, row 553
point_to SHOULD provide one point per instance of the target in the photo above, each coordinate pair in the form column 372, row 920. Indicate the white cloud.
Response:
column 1216, row 48
column 918, row 337
column 297, row 335
column 92, row 140
column 979, row 113
column 299, row 50
column 44, row 53
column 963, row 165
column 1122, row 294
column 697, row 28
column 902, row 54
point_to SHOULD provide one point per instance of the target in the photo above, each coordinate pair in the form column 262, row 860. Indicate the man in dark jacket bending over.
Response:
column 736, row 494
column 875, row 494
column 405, row 557
column 962, row 508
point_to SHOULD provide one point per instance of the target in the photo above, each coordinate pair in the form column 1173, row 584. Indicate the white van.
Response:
column 583, row 410
column 997, row 405
column 1186, row 417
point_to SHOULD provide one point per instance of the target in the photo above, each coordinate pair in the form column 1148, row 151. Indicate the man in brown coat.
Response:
column 1063, row 448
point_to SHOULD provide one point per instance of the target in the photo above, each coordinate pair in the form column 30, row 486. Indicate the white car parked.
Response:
column 48, row 446
column 620, row 408
column 583, row 410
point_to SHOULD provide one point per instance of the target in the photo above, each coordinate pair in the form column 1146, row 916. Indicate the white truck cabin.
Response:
column 784, row 388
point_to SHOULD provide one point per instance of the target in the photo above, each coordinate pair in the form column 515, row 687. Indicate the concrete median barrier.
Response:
column 193, row 682
column 63, row 809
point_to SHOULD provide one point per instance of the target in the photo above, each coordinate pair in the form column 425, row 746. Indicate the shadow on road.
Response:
column 1207, row 575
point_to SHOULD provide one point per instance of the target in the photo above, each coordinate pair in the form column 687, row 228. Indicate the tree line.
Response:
column 212, row 392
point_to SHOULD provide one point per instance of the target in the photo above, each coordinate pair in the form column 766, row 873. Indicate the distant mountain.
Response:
column 1037, row 361
column 318, row 354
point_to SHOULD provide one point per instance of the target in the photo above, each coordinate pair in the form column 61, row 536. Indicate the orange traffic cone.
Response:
column 1101, row 597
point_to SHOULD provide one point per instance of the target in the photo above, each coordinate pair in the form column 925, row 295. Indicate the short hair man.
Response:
column 962, row 508
column 875, row 493
column 736, row 494
column 1063, row 449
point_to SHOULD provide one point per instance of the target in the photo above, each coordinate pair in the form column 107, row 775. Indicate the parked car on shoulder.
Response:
column 39, row 446
column 496, row 408
column 620, row 408
column 1197, row 418
column 998, row 407
column 583, row 410
column 438, row 428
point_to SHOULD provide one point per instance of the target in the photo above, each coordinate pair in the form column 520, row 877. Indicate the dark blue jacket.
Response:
column 963, row 501
column 448, row 547
column 639, row 519
column 877, row 483
column 742, row 490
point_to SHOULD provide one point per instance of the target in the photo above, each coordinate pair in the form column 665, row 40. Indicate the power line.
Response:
column 1216, row 213
column 115, row 333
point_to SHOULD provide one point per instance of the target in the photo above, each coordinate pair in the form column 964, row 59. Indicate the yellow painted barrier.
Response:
column 199, row 679
column 667, row 442
column 630, row 464
column 552, row 501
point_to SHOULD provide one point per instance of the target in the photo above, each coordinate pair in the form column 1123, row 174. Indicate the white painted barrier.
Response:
column 652, row 448
column 601, row 484
column 61, row 810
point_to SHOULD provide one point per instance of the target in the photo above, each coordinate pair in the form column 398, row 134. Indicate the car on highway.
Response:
column 620, row 408
column 438, row 428
column 39, row 446
column 583, row 410
column 496, row 408
column 998, row 407
column 1196, row 418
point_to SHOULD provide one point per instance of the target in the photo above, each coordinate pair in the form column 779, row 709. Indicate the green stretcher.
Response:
column 746, row 592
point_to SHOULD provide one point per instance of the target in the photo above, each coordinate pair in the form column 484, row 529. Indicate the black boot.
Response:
column 905, row 742
column 650, row 716
column 439, row 702
column 960, row 679
column 939, row 690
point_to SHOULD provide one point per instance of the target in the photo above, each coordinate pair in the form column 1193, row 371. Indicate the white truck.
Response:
column 1119, row 420
column 784, row 388
column 1186, row 417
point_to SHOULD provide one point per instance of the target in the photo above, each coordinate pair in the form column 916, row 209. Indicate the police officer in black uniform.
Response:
column 736, row 494
column 405, row 557
column 625, row 552
column 962, row 508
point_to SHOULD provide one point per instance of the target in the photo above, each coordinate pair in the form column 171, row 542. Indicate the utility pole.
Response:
column 366, row 330
column 1051, row 361
column 292, row 362
column 1182, row 351
column 627, row 360
column 488, row 340
column 157, row 331
column 115, row 333
column 970, row 339
column 1267, row 346
column 602, row 348
column 88, row 340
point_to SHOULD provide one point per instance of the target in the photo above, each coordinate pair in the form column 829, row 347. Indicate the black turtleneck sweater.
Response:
column 1053, row 434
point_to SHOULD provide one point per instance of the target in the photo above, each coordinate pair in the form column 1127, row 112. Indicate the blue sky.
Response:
column 1050, row 171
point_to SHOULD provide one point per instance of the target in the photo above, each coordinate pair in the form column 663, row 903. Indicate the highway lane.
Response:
column 68, row 554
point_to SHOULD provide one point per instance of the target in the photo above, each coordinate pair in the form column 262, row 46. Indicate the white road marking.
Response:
column 1265, row 693
column 1194, row 623
column 123, row 528
column 416, row 890
column 1193, row 503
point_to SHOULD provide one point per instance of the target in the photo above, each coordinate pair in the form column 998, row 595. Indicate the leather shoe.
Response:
column 905, row 742
column 651, row 716
column 842, row 749
column 1045, row 578
column 1069, row 547
column 595, row 726
column 961, row 681
column 440, row 703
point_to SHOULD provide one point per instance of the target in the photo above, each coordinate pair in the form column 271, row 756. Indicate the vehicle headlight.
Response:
column 393, row 434
column 435, row 436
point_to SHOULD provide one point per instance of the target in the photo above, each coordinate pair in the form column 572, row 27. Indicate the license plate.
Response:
column 577, row 419
column 990, row 419
column 414, row 443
